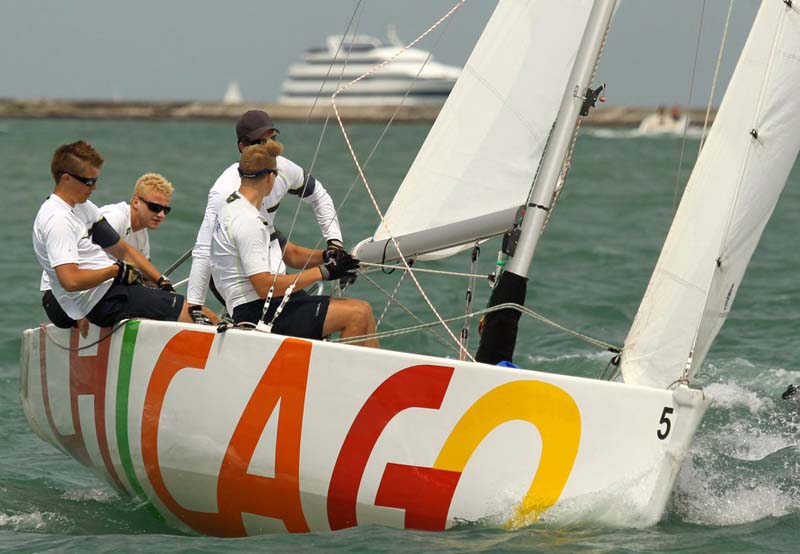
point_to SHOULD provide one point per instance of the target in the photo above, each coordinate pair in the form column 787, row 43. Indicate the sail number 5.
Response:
column 666, row 422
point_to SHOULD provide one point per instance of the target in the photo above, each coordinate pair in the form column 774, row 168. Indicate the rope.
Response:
column 389, row 300
column 447, row 344
column 291, row 288
column 364, row 178
column 688, row 103
column 84, row 347
column 716, row 76
column 372, row 152
column 330, row 66
column 562, row 179
column 421, row 270
column 508, row 305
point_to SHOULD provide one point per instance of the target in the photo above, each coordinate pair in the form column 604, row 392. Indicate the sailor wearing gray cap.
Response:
column 257, row 127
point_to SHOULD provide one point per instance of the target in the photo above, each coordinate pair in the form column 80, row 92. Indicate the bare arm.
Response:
column 124, row 251
column 300, row 257
column 262, row 281
column 74, row 279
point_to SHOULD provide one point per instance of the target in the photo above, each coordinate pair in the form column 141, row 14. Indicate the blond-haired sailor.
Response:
column 72, row 242
column 248, row 264
column 257, row 127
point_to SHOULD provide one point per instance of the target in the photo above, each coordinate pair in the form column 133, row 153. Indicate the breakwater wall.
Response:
column 606, row 116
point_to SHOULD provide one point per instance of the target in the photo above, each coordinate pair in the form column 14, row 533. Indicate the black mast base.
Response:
column 499, row 334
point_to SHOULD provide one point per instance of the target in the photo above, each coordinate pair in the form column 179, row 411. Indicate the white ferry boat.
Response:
column 414, row 72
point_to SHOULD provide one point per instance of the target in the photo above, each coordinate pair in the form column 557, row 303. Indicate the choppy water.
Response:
column 738, row 491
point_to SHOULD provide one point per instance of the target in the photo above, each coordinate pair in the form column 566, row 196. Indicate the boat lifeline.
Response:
column 246, row 432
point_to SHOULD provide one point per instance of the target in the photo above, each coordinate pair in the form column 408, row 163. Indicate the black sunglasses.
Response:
column 88, row 181
column 264, row 140
column 154, row 207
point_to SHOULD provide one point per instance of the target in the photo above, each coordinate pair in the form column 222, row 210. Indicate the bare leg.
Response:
column 351, row 318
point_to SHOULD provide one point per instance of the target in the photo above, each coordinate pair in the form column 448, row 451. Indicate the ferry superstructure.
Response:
column 414, row 72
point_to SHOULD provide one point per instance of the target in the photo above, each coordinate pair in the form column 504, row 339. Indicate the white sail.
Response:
column 233, row 94
column 730, row 196
column 479, row 159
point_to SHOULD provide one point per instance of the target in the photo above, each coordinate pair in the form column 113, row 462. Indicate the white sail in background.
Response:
column 728, row 201
column 233, row 94
column 479, row 159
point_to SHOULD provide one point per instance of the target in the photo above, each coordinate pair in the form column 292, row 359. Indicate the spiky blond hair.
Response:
column 153, row 182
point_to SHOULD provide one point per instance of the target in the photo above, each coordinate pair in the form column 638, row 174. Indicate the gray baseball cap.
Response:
column 253, row 124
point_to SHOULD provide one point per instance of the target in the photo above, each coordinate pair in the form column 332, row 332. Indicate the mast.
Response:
column 498, row 337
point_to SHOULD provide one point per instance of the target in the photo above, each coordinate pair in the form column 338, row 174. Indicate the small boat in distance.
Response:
column 233, row 94
column 663, row 123
column 413, row 77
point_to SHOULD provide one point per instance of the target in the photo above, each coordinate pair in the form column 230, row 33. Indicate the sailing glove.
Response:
column 127, row 274
column 165, row 284
column 197, row 315
column 344, row 265
column 333, row 251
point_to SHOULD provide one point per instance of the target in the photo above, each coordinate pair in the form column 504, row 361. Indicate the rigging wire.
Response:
column 423, row 270
column 716, row 76
column 383, row 133
column 390, row 299
column 507, row 305
column 688, row 368
column 364, row 178
column 357, row 11
column 447, row 343
column 688, row 103
column 562, row 178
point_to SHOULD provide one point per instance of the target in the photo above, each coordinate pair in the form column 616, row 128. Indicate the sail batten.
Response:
column 730, row 197
column 481, row 154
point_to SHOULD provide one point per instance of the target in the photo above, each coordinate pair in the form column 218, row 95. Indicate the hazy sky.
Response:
column 191, row 49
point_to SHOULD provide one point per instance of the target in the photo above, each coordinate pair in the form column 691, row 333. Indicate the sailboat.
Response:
column 238, row 433
column 233, row 94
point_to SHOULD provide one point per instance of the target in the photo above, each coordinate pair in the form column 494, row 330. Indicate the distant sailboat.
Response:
column 233, row 95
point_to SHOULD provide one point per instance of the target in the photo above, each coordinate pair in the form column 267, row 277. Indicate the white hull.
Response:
column 656, row 124
column 188, row 420
column 411, row 78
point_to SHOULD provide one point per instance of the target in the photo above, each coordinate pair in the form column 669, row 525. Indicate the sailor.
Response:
column 248, row 263
column 147, row 209
column 257, row 127
column 73, row 242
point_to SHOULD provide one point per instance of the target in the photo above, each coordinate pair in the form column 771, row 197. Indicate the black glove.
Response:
column 345, row 265
column 197, row 315
column 347, row 280
column 127, row 274
column 165, row 284
column 333, row 251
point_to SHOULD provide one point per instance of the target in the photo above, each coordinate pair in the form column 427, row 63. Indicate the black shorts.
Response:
column 303, row 315
column 131, row 301
column 54, row 311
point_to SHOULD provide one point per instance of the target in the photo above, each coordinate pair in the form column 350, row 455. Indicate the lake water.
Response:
column 738, row 490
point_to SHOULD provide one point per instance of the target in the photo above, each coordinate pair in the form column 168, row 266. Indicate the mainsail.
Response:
column 479, row 159
column 729, row 198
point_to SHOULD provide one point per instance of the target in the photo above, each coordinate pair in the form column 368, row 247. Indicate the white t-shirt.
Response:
column 290, row 177
column 241, row 246
column 61, row 236
column 119, row 217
